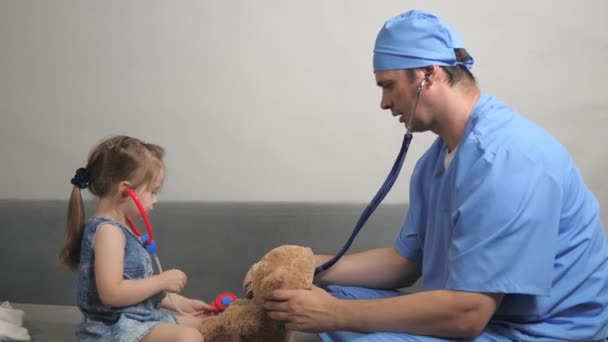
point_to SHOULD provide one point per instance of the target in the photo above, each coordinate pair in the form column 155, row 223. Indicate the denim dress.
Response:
column 105, row 323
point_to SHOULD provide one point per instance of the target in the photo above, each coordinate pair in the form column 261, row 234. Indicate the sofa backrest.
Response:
column 214, row 243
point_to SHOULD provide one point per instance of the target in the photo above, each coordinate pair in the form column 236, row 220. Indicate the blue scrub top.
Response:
column 511, row 214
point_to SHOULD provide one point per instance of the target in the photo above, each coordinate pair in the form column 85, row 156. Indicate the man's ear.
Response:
column 430, row 73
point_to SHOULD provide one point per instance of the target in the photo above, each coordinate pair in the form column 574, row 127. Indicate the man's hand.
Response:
column 304, row 310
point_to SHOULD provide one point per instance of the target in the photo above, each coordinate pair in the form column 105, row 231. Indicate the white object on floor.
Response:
column 11, row 324
column 10, row 315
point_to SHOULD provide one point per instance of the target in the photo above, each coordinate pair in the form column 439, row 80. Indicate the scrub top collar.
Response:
column 484, row 103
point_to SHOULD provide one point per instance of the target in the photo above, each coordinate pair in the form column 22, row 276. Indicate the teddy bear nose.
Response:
column 249, row 290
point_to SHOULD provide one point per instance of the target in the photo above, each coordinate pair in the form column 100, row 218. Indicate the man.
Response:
column 501, row 227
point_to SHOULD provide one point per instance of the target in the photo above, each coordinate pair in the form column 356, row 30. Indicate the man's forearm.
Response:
column 441, row 313
column 377, row 268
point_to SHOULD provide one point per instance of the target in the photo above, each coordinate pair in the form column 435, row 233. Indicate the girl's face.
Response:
column 148, row 196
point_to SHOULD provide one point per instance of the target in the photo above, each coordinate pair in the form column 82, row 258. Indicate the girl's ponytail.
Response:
column 69, row 254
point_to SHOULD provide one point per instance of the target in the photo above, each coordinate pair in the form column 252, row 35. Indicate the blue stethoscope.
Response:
column 384, row 189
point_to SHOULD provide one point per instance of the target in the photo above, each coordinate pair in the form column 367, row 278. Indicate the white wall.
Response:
column 271, row 100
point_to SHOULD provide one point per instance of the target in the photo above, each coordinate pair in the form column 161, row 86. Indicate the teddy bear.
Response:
column 285, row 267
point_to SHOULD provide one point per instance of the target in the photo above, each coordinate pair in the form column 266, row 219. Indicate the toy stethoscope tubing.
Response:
column 384, row 189
column 148, row 241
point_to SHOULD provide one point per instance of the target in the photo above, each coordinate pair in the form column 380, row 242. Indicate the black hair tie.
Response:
column 81, row 178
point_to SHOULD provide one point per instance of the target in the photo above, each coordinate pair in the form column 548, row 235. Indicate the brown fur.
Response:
column 285, row 267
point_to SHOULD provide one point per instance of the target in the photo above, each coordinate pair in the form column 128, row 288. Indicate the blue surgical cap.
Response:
column 417, row 39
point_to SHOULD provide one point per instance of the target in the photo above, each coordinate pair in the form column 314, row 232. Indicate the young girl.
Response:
column 117, row 292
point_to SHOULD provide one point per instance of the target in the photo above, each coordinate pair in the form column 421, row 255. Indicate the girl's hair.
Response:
column 113, row 160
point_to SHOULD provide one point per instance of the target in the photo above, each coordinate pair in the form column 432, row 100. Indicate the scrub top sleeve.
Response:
column 505, row 227
column 409, row 241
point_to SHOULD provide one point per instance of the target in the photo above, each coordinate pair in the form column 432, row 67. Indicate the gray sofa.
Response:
column 214, row 243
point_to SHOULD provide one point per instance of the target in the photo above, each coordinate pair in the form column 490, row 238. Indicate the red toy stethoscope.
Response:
column 146, row 239
column 220, row 303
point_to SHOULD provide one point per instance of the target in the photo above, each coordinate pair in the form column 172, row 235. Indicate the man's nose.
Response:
column 385, row 103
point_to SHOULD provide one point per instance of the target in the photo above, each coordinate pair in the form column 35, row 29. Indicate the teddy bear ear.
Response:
column 273, row 281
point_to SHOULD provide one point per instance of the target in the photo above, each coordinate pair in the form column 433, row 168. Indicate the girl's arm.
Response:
column 115, row 291
column 185, row 304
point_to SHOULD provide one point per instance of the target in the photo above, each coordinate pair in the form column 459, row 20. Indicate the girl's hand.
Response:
column 183, row 305
column 173, row 280
column 199, row 307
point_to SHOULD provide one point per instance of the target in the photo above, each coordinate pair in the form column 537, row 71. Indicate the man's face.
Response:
column 399, row 96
